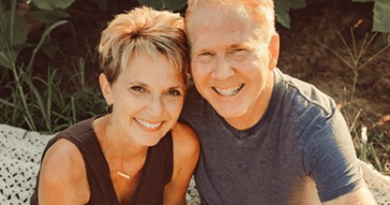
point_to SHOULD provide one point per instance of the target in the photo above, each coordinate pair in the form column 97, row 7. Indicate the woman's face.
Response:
column 147, row 98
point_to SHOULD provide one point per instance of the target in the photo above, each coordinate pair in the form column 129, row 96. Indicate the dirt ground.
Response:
column 301, row 54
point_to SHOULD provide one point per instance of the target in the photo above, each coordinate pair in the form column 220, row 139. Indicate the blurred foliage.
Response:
column 381, row 16
column 173, row 5
column 50, row 5
column 282, row 9
column 381, row 19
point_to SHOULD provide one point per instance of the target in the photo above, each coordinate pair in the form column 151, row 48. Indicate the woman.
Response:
column 138, row 154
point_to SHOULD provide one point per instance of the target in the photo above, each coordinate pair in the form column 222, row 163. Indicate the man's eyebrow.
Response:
column 236, row 45
column 196, row 51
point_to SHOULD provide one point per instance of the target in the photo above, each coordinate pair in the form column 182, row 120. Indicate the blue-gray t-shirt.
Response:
column 301, row 146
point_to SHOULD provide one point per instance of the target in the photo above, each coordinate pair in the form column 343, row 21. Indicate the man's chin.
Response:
column 231, row 112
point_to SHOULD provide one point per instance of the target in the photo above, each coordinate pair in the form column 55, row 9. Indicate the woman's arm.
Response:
column 186, row 151
column 63, row 178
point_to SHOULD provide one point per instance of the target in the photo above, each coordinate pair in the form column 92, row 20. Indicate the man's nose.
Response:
column 222, row 69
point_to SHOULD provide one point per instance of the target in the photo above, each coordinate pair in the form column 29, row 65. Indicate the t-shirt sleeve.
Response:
column 329, row 157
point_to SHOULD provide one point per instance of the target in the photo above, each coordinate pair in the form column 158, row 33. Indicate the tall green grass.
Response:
column 40, row 103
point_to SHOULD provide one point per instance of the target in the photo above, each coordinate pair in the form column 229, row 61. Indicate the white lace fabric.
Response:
column 20, row 157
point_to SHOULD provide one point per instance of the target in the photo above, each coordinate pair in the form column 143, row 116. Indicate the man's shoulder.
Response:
column 306, row 95
column 193, row 102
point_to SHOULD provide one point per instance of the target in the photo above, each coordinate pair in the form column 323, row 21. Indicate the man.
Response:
column 266, row 138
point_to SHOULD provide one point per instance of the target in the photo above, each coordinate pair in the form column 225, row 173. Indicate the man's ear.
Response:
column 273, row 49
column 105, row 86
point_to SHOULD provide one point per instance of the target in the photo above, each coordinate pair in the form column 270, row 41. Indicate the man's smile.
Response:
column 228, row 91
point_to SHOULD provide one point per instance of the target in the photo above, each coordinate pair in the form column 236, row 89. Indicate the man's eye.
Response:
column 206, row 54
column 239, row 51
column 205, row 57
column 174, row 93
column 138, row 89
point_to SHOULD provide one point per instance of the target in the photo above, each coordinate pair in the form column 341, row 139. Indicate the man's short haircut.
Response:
column 143, row 30
column 262, row 12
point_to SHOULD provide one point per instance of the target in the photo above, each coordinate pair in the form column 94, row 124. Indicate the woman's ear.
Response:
column 105, row 86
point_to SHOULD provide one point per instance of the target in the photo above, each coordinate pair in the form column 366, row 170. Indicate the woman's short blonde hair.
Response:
column 147, row 30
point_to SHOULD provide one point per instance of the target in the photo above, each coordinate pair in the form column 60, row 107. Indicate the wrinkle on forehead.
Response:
column 232, row 19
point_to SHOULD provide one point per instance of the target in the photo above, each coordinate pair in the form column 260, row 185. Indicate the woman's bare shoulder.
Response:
column 63, row 160
column 185, row 139
column 63, row 172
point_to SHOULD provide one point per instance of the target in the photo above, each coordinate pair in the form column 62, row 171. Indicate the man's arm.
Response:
column 361, row 196
column 330, row 160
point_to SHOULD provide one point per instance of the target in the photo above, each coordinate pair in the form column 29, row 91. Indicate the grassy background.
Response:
column 50, row 81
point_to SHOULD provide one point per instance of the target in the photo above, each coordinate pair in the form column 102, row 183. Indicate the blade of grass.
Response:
column 354, row 121
column 12, row 21
column 363, row 152
column 73, row 110
column 39, row 101
column 374, row 156
column 338, row 55
column 366, row 46
column 45, row 33
column 374, row 56
column 353, row 43
column 348, row 49
column 22, row 95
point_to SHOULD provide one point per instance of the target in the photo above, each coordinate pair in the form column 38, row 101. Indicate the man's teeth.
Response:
column 147, row 124
column 230, row 91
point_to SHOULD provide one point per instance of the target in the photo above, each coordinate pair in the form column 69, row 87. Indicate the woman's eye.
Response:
column 138, row 89
column 174, row 93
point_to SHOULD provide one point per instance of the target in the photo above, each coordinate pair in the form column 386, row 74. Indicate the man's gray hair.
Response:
column 262, row 12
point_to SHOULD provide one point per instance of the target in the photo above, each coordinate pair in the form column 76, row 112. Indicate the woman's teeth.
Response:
column 147, row 124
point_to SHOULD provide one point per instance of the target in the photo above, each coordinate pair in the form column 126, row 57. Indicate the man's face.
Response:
column 230, row 65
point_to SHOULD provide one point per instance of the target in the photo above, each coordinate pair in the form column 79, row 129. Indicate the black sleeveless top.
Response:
column 155, row 174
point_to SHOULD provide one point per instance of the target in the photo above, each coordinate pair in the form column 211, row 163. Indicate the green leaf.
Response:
column 156, row 4
column 52, row 4
column 5, row 61
column 282, row 9
column 50, row 50
column 297, row 4
column 102, row 4
column 175, row 5
column 362, row 0
column 381, row 17
column 20, row 28
column 48, row 17
column 164, row 4
column 45, row 33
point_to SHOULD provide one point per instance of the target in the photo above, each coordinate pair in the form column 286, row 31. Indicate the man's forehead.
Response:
column 205, row 15
column 217, row 20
